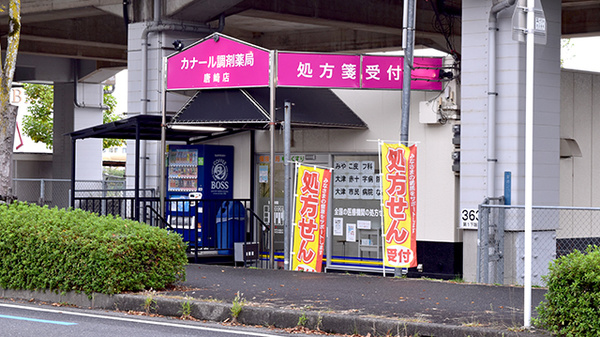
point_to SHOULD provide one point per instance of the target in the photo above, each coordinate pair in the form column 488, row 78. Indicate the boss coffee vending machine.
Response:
column 199, row 181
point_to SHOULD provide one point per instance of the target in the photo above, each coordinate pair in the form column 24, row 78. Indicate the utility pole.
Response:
column 408, row 44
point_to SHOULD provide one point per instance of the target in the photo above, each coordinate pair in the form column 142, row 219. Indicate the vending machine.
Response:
column 199, row 180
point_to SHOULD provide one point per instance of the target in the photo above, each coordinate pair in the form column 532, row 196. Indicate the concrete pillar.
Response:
column 510, row 121
column 158, row 46
column 67, row 118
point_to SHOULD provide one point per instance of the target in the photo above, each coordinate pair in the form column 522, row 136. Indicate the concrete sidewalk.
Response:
column 423, row 307
column 332, row 302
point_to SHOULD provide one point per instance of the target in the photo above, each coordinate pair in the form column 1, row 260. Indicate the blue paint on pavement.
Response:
column 36, row 320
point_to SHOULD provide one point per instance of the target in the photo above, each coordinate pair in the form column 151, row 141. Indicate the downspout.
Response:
column 492, row 94
column 82, row 105
column 157, row 27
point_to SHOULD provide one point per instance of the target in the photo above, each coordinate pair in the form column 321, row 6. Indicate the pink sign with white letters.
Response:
column 218, row 62
column 318, row 70
column 386, row 72
column 222, row 62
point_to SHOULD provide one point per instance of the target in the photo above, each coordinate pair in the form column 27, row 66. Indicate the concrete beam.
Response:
column 577, row 22
column 198, row 10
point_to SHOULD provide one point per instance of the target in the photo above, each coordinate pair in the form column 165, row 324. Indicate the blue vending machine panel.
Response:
column 199, row 177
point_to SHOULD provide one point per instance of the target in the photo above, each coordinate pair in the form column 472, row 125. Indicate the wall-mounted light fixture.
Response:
column 197, row 128
column 178, row 45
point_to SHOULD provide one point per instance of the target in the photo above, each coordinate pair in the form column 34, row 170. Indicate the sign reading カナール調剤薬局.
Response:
column 218, row 62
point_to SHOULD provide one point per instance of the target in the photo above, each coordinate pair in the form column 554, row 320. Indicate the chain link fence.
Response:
column 557, row 231
column 56, row 192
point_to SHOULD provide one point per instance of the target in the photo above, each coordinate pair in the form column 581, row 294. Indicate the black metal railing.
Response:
column 210, row 228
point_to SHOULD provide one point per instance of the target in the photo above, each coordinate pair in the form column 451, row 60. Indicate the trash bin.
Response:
column 230, row 221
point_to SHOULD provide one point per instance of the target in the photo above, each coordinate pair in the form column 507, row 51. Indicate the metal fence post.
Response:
column 500, row 243
column 482, row 241
column 42, row 192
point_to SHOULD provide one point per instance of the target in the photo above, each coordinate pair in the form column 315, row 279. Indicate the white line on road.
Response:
column 127, row 319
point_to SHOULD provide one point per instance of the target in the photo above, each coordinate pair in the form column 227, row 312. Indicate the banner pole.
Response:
column 529, row 102
column 163, row 145
column 287, row 141
column 272, row 160
column 380, row 143
column 293, row 215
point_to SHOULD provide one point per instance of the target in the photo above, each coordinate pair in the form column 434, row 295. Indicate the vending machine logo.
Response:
column 219, row 174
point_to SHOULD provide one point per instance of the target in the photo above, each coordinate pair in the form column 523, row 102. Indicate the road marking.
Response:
column 133, row 320
column 36, row 320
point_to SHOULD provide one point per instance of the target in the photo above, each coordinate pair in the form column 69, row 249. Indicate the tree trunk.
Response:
column 8, row 116
column 8, row 113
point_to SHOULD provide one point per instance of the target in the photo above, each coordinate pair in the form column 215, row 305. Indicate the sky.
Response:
column 582, row 54
column 120, row 92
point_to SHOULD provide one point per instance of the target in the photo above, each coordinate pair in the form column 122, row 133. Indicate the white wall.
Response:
column 381, row 111
column 580, row 176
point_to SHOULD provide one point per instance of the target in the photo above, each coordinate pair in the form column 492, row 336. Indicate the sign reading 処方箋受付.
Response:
column 318, row 70
column 355, row 71
column 222, row 62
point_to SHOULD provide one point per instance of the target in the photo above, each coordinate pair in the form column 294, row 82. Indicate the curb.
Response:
column 263, row 316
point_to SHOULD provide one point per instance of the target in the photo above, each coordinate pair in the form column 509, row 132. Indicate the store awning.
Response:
column 233, row 109
column 249, row 109
column 148, row 126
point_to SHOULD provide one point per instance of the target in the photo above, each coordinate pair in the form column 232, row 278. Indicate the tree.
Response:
column 8, row 112
column 38, row 124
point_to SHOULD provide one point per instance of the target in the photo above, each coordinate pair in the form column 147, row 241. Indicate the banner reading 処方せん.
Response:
column 310, row 217
column 399, row 204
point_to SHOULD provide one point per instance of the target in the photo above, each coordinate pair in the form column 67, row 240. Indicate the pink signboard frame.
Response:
column 218, row 62
column 355, row 71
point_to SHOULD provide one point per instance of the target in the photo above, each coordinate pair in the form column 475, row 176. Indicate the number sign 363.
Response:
column 469, row 218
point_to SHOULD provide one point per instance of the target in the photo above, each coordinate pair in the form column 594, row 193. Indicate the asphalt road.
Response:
column 27, row 319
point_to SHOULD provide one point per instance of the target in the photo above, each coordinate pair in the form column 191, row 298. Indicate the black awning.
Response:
column 149, row 129
column 234, row 109
column 249, row 109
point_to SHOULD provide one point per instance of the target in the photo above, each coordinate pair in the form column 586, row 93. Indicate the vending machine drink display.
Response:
column 199, row 180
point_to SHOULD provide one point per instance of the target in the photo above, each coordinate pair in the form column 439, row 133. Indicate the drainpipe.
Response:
column 492, row 94
column 78, row 104
column 157, row 27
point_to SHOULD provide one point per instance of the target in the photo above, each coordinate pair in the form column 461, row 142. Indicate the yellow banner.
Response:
column 399, row 204
column 310, row 218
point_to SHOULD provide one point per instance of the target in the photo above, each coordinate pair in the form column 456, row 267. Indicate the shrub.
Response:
column 64, row 250
column 572, row 305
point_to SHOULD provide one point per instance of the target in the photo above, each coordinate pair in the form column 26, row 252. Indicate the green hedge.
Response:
column 64, row 250
column 572, row 306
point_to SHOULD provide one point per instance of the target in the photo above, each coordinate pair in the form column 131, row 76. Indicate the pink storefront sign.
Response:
column 426, row 73
column 386, row 72
column 218, row 62
column 318, row 70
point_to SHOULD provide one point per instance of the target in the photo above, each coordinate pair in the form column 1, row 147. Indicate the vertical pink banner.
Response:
column 318, row 70
column 218, row 62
